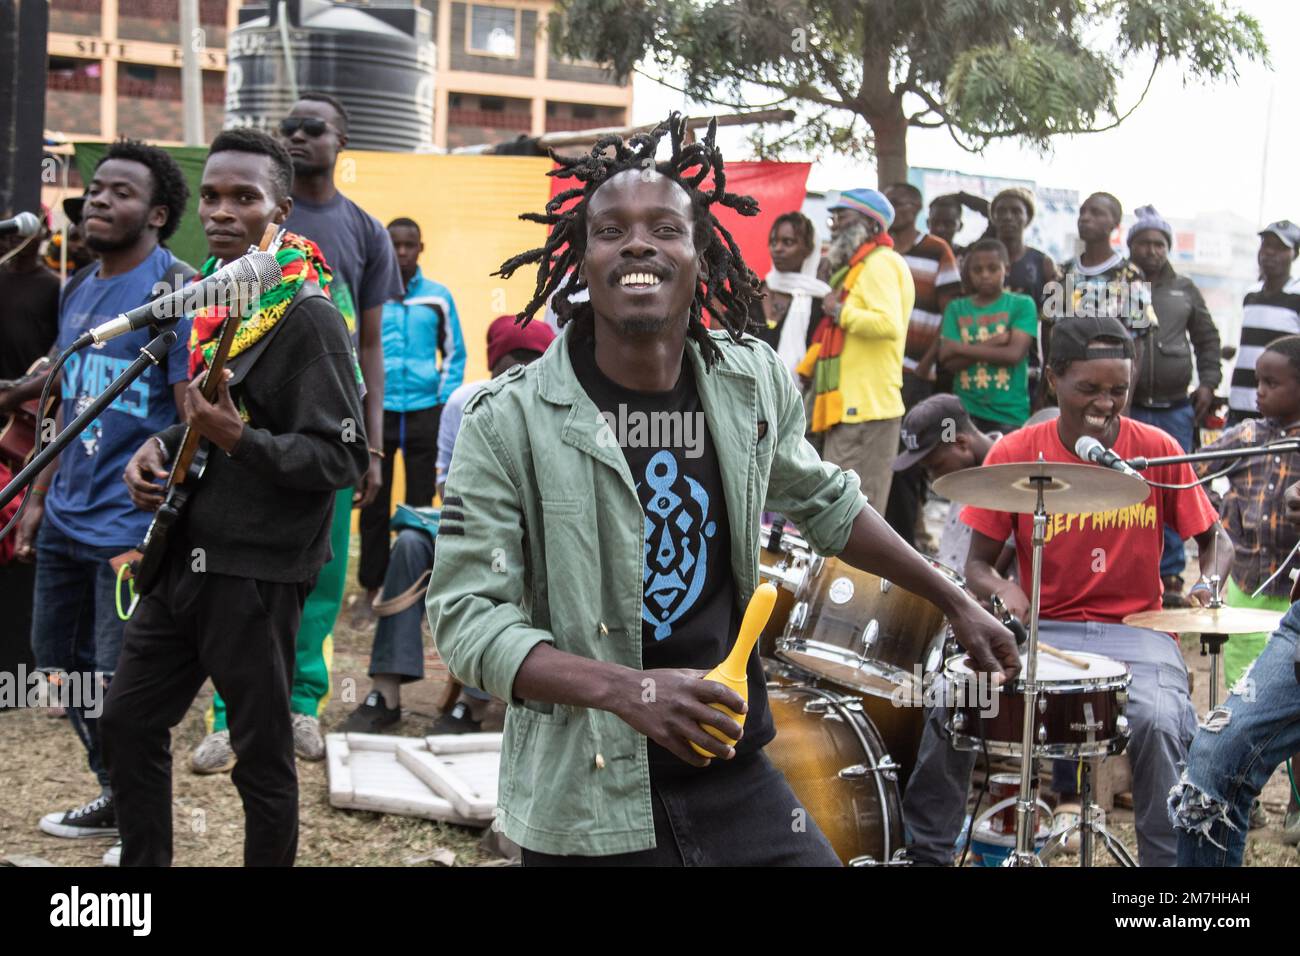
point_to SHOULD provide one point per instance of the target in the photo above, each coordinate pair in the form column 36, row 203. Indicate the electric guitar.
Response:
column 188, row 466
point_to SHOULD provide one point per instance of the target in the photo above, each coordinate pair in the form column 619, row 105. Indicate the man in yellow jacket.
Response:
column 856, row 360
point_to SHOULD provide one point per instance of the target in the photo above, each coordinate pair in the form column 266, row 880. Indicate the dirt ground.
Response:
column 45, row 770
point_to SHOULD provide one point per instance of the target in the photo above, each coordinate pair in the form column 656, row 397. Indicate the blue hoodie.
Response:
column 416, row 331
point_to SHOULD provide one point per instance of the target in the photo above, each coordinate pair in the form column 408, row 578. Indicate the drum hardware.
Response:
column 1020, row 487
column 870, row 634
column 1089, row 825
column 885, row 766
column 886, row 585
column 1215, row 623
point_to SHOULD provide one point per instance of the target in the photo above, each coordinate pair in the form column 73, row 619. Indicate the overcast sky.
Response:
column 1187, row 149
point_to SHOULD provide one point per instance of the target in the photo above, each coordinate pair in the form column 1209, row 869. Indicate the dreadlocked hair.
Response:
column 726, row 284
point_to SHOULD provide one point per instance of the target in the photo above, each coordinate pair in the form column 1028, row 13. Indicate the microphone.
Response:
column 249, row 275
column 25, row 224
column 1094, row 451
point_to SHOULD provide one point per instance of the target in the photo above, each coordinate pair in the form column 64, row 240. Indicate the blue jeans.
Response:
column 1160, row 717
column 1235, row 751
column 75, row 625
column 399, row 643
column 1178, row 422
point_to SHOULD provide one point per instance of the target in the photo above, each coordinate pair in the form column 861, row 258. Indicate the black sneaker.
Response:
column 95, row 819
column 371, row 717
column 458, row 721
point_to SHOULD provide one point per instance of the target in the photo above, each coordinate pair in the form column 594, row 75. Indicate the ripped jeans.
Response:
column 1234, row 753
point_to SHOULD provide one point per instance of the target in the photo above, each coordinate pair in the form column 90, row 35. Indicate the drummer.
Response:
column 1100, row 567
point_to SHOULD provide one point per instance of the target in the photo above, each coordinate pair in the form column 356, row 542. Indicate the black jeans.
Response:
column 241, row 632
column 416, row 433
column 734, row 813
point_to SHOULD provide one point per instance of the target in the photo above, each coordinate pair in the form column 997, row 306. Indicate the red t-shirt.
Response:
column 1101, row 566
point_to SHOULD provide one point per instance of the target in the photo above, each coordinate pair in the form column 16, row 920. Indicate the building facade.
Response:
column 114, row 70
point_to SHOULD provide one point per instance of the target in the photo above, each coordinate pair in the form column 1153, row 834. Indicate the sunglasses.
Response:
column 308, row 124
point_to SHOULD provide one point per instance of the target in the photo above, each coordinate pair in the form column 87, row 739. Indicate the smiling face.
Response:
column 237, row 201
column 1277, row 387
column 317, row 154
column 640, row 263
column 1091, row 395
column 119, row 205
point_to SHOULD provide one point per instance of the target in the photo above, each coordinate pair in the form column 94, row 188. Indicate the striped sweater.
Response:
column 1265, row 317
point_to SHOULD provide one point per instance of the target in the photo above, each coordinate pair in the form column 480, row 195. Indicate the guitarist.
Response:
column 285, row 432
column 79, row 515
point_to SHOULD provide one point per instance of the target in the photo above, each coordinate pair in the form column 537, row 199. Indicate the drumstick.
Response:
column 1078, row 662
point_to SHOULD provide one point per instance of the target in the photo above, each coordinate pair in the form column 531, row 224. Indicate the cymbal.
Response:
column 1070, row 488
column 1207, row 620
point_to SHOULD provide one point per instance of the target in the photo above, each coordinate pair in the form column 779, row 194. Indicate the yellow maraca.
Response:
column 731, row 672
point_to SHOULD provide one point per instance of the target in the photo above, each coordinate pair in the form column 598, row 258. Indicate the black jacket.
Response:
column 1166, row 373
column 264, row 511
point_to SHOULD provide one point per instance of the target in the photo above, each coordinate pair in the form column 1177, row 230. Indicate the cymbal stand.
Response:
column 1212, row 644
column 1024, row 854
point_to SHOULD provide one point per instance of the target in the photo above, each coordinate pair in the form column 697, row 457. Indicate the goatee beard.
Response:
column 846, row 242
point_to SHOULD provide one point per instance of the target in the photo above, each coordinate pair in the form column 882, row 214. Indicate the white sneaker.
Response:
column 307, row 740
column 213, row 754
column 114, row 855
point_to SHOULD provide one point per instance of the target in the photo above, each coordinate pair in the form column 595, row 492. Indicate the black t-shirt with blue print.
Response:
column 689, row 612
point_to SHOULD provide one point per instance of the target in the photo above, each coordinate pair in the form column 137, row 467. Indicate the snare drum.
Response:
column 836, row 764
column 861, row 631
column 1080, row 712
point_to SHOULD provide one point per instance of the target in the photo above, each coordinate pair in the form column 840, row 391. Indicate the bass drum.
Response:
column 838, row 767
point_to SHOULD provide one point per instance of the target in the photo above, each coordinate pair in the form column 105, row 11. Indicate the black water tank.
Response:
column 378, row 58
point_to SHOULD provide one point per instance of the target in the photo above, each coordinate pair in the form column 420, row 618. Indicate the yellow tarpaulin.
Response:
column 467, row 208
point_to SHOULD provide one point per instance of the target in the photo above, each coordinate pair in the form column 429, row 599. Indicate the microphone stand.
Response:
column 1285, row 446
column 151, row 354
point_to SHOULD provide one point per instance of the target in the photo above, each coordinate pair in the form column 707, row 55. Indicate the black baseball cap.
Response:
column 1070, row 338
column 924, row 427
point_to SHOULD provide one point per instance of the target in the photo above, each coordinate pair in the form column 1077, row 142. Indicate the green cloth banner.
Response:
column 188, row 242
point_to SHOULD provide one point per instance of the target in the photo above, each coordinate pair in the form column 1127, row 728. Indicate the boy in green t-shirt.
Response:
column 985, row 341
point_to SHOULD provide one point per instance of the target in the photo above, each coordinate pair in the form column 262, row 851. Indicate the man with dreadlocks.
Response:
column 285, row 433
column 589, row 568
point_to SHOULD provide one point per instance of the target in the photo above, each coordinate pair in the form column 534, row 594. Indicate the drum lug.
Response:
column 1042, row 733
column 886, row 585
column 815, row 567
column 1121, row 698
column 870, row 634
column 886, row 768
column 798, row 615
column 1042, row 704
column 958, row 722
column 1121, row 726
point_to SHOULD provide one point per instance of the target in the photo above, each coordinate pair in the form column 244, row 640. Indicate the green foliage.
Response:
column 865, row 70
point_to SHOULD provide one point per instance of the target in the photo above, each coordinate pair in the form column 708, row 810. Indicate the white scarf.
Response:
column 802, row 287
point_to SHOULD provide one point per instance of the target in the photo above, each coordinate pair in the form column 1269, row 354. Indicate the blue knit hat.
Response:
column 870, row 202
column 1148, row 218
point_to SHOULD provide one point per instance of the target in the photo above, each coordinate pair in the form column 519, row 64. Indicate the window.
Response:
column 493, row 30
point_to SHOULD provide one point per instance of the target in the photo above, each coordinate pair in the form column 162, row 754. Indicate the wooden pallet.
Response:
column 451, row 777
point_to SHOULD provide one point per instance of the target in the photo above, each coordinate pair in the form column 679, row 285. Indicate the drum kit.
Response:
column 849, row 654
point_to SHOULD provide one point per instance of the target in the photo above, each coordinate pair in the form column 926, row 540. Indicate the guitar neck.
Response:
column 211, row 381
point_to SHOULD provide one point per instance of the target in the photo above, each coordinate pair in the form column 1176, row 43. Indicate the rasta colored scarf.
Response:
column 821, row 362
column 300, row 260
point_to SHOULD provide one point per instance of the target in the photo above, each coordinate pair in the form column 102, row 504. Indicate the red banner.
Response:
column 778, row 187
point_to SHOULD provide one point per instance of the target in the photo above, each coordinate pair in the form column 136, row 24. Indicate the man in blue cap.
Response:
column 856, row 360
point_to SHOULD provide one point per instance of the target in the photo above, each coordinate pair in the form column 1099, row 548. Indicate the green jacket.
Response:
column 552, row 550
